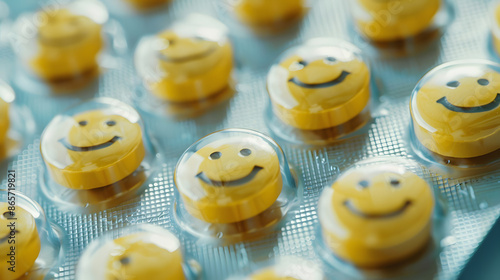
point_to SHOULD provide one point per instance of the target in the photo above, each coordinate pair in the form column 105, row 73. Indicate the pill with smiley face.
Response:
column 374, row 216
column 68, row 46
column 321, row 84
column 229, row 176
column 455, row 109
column 26, row 238
column 265, row 14
column 141, row 255
column 392, row 20
column 95, row 147
column 188, row 62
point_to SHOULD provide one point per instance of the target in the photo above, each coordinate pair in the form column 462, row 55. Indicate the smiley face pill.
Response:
column 392, row 20
column 68, row 44
column 322, row 84
column 229, row 176
column 188, row 62
column 455, row 109
column 27, row 241
column 142, row 255
column 92, row 148
column 261, row 14
column 375, row 216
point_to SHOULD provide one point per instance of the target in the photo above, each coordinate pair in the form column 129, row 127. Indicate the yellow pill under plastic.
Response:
column 455, row 109
column 23, row 236
column 394, row 20
column 375, row 216
column 93, row 149
column 268, row 13
column 4, row 119
column 68, row 46
column 229, row 180
column 319, row 86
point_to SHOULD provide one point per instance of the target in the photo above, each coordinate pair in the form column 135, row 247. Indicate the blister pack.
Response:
column 247, row 139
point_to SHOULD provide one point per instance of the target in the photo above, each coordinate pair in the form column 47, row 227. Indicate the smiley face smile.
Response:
column 106, row 144
column 331, row 83
column 231, row 183
column 478, row 109
column 349, row 205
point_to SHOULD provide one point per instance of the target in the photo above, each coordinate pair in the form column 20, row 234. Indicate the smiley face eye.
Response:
column 364, row 184
column 395, row 182
column 483, row 82
column 330, row 60
column 125, row 260
column 82, row 123
column 453, row 84
column 111, row 123
column 303, row 63
column 245, row 152
column 215, row 155
column 9, row 214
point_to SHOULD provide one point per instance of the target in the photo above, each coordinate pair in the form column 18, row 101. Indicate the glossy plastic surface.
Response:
column 375, row 216
column 455, row 109
column 93, row 145
column 394, row 20
column 229, row 176
column 321, row 84
column 149, row 252
column 189, row 62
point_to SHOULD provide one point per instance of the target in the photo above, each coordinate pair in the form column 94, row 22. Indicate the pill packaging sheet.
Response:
column 474, row 202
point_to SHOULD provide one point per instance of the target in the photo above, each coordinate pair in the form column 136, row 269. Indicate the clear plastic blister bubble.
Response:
column 62, row 48
column 234, row 184
column 185, row 69
column 136, row 252
column 382, row 218
column 97, row 155
column 31, row 246
column 264, row 17
column 284, row 267
column 16, row 124
column 320, row 92
column 454, row 110
column 401, row 27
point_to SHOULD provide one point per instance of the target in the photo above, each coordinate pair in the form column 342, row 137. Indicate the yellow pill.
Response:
column 394, row 19
column 23, row 237
column 146, row 4
column 141, row 255
column 229, row 180
column 455, row 109
column 319, row 86
column 376, row 216
column 94, row 148
column 4, row 118
column 191, row 67
column 68, row 46
column 268, row 13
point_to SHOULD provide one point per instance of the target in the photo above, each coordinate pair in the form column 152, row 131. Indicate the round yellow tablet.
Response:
column 93, row 148
column 229, row 177
column 17, row 230
column 392, row 20
column 4, row 114
column 140, row 255
column 374, row 216
column 68, row 45
column 268, row 13
column 455, row 109
column 188, row 62
column 320, row 84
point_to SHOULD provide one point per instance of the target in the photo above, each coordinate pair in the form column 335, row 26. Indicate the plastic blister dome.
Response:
column 65, row 46
column 455, row 109
column 265, row 16
column 140, row 252
column 234, row 177
column 321, row 89
column 31, row 246
column 379, row 214
column 188, row 64
column 98, row 149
